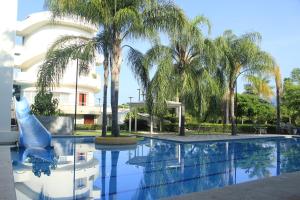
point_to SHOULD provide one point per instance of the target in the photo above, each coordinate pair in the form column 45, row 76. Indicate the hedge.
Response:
column 92, row 127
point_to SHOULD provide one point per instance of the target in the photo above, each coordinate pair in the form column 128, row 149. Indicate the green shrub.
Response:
column 220, row 128
column 84, row 127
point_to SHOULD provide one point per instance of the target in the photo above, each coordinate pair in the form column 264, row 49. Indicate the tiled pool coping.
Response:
column 207, row 138
column 283, row 187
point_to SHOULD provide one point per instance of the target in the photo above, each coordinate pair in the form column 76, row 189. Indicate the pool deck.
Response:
column 7, row 186
column 204, row 137
column 283, row 187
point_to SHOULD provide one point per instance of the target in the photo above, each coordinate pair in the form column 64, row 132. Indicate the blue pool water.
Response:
column 151, row 170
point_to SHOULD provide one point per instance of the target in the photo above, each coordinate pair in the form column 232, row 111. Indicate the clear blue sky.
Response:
column 277, row 20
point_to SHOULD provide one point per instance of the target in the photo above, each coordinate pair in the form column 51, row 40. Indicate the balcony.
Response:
column 91, row 82
column 24, row 78
column 81, row 110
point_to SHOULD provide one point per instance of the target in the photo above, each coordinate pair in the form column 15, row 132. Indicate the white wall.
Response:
column 8, row 18
column 6, row 83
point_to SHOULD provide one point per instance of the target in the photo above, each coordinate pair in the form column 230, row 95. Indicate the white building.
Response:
column 37, row 33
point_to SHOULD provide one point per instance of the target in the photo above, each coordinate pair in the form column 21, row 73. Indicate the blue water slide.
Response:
column 32, row 133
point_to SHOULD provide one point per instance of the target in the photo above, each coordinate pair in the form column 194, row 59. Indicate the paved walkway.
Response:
column 284, row 187
column 7, row 187
column 204, row 138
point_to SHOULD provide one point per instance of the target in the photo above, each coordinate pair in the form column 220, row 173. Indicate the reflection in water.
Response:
column 113, row 174
column 290, row 156
column 153, row 169
column 42, row 160
column 48, row 174
column 256, row 158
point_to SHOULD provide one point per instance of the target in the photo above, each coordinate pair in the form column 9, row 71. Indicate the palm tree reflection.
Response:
column 256, row 158
column 290, row 156
column 174, row 169
column 113, row 174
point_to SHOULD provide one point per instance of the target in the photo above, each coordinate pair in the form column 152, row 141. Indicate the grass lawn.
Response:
column 97, row 133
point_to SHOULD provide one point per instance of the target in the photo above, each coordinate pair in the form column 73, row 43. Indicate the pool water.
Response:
column 151, row 170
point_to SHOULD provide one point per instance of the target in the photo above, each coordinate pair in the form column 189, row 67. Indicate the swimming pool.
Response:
column 151, row 170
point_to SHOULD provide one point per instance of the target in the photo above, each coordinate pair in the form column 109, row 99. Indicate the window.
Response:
column 82, row 99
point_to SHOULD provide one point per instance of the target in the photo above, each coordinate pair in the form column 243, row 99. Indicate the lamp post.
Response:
column 75, row 123
column 76, row 90
column 130, row 98
column 99, row 100
column 143, row 95
column 236, row 99
column 139, row 94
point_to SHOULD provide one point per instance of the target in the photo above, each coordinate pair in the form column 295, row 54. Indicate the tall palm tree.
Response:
column 278, row 82
column 240, row 55
column 183, row 70
column 259, row 85
column 106, row 66
column 125, row 20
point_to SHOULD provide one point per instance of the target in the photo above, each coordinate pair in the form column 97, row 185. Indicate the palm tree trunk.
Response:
column 104, row 112
column 115, row 75
column 232, row 114
column 182, row 121
column 227, row 106
column 278, row 110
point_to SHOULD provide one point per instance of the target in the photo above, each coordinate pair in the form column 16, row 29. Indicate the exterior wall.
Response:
column 39, row 33
column 57, row 125
column 8, row 18
column 6, row 86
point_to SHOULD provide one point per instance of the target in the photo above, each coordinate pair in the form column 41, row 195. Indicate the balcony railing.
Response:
column 84, row 110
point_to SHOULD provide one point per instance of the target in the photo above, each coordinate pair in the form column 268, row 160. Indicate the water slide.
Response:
column 32, row 133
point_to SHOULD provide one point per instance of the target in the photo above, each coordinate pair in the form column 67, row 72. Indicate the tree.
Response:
column 291, row 100
column 124, row 20
column 259, row 85
column 240, row 55
column 45, row 104
column 183, row 70
column 296, row 75
column 278, row 82
column 254, row 108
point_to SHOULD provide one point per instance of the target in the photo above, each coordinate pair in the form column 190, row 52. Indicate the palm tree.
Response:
column 259, row 85
column 240, row 55
column 106, row 65
column 76, row 47
column 125, row 20
column 278, row 82
column 182, row 73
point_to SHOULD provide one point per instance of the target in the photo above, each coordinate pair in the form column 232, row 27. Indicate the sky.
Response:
column 276, row 20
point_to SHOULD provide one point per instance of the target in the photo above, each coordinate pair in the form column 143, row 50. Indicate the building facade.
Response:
column 36, row 34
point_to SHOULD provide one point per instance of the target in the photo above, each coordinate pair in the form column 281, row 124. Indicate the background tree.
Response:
column 259, row 85
column 44, row 104
column 295, row 76
column 183, row 70
column 291, row 100
column 255, row 109
column 240, row 55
